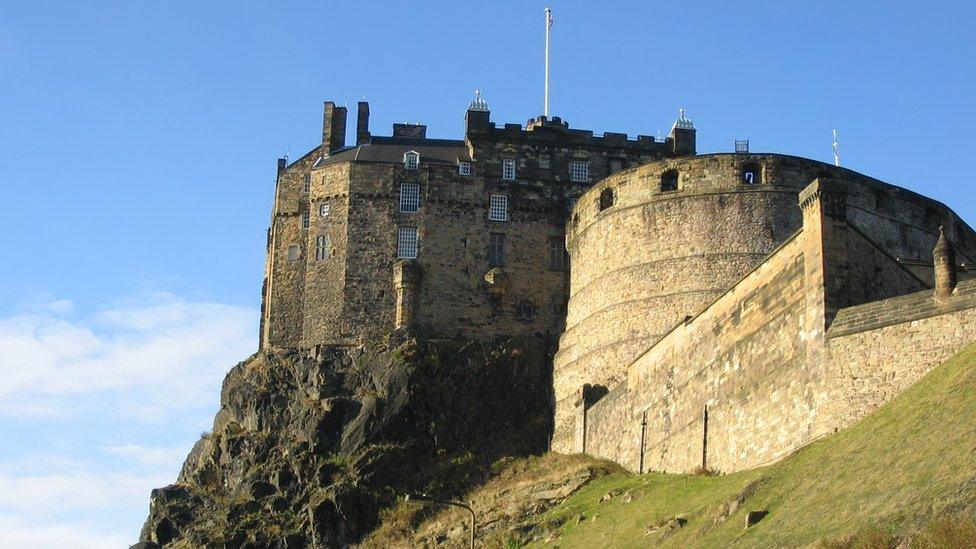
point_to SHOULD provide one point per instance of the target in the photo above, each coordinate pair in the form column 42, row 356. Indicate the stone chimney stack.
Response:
column 362, row 124
column 944, row 255
column 333, row 128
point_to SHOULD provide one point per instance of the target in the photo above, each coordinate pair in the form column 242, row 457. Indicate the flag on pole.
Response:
column 548, row 11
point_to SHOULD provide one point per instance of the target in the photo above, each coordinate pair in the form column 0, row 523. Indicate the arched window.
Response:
column 751, row 174
column 669, row 181
column 606, row 198
column 525, row 310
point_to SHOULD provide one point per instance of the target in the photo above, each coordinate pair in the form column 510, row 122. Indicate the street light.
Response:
column 425, row 497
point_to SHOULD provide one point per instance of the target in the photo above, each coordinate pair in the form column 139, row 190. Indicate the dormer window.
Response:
column 464, row 168
column 508, row 169
column 411, row 160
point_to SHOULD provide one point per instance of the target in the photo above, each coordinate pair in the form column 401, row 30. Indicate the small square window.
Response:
column 464, row 168
column 508, row 169
column 407, row 243
column 324, row 210
column 409, row 197
column 579, row 171
column 411, row 160
column 321, row 247
column 307, row 184
column 498, row 208
column 305, row 220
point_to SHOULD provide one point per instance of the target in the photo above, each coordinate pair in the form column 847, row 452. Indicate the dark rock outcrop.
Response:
column 309, row 447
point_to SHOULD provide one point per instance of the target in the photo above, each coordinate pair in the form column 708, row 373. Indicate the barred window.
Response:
column 407, row 243
column 307, row 184
column 321, row 247
column 305, row 220
column 294, row 252
column 496, row 250
column 498, row 208
column 558, row 257
column 411, row 160
column 409, row 197
column 579, row 171
column 525, row 310
column 508, row 169
column 325, row 210
column 464, row 168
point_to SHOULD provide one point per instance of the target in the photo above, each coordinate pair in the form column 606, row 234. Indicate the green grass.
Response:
column 894, row 472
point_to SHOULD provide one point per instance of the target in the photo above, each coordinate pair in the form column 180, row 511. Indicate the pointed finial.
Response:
column 478, row 104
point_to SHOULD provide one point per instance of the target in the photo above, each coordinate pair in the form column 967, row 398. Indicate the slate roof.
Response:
column 391, row 149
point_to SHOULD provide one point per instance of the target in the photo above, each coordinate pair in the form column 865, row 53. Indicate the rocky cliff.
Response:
column 309, row 447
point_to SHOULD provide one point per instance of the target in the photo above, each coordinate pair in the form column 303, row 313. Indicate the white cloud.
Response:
column 16, row 533
column 143, row 358
column 147, row 456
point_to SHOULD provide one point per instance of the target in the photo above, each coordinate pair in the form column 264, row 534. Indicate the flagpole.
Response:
column 548, row 26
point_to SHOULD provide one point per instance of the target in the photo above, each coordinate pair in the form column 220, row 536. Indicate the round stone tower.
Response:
column 655, row 244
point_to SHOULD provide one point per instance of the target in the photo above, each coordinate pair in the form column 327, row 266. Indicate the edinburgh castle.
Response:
column 710, row 310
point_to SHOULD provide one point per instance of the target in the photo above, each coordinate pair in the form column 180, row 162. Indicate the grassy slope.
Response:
column 912, row 460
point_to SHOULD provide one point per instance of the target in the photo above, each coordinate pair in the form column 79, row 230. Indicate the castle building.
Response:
column 712, row 310
column 448, row 237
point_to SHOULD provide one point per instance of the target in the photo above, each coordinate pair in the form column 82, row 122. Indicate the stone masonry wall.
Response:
column 654, row 257
column 879, row 349
column 743, row 358
column 283, row 307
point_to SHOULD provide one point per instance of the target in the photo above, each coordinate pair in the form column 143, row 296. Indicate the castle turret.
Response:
column 333, row 128
column 476, row 119
column 944, row 256
column 362, row 124
column 682, row 136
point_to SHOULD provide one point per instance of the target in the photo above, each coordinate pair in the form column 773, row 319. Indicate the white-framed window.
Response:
column 324, row 210
column 508, row 169
column 305, row 220
column 407, row 243
column 294, row 252
column 321, row 247
column 498, row 207
column 307, row 184
column 464, row 168
column 411, row 160
column 579, row 171
column 409, row 197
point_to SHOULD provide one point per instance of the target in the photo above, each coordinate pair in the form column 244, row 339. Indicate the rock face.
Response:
column 308, row 448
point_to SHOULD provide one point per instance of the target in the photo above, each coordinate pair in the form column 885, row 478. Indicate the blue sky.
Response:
column 138, row 143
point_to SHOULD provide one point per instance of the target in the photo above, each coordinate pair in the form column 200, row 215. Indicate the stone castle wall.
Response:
column 349, row 297
column 879, row 349
column 755, row 375
column 654, row 257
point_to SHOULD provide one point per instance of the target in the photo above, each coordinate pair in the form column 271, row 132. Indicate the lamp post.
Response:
column 425, row 497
